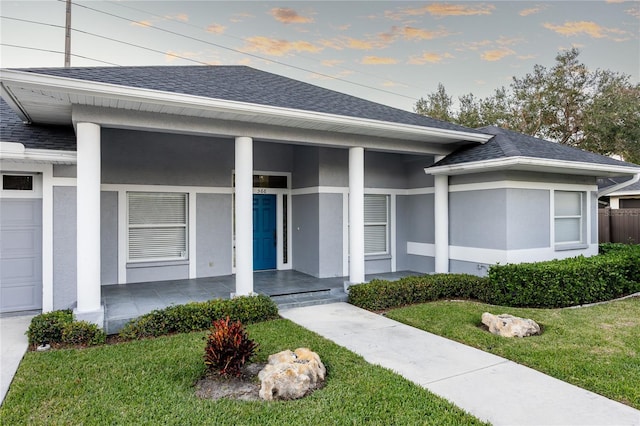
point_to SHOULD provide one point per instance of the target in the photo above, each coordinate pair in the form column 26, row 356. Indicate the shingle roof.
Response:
column 604, row 183
column 34, row 136
column 245, row 84
column 507, row 143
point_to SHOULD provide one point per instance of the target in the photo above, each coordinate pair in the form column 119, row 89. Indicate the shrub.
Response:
column 228, row 347
column 83, row 333
column 567, row 282
column 48, row 327
column 381, row 294
column 196, row 316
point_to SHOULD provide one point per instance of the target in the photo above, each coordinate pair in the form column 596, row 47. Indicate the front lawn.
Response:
column 596, row 348
column 152, row 382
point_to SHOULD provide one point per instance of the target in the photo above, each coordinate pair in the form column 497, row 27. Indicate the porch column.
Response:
column 244, row 216
column 88, row 224
column 356, row 215
column 441, row 219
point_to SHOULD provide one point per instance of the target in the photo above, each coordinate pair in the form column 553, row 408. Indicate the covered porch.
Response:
column 288, row 289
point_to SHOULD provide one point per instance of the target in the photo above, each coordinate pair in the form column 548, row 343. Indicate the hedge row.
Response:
column 199, row 316
column 59, row 327
column 378, row 295
column 567, row 282
column 557, row 283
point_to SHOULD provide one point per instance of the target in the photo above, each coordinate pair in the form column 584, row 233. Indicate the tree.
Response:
column 594, row 110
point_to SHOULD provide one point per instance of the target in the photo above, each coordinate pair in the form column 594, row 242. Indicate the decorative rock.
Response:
column 291, row 375
column 510, row 326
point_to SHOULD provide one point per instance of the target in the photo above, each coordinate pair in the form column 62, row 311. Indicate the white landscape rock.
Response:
column 291, row 375
column 509, row 326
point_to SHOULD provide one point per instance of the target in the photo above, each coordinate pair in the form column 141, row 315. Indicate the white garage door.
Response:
column 20, row 254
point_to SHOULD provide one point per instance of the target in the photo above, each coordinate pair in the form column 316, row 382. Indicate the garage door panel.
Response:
column 20, row 254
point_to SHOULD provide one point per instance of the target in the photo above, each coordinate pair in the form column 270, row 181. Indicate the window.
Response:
column 376, row 224
column 17, row 182
column 569, row 217
column 157, row 226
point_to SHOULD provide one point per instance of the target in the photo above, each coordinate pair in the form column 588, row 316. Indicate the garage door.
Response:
column 20, row 254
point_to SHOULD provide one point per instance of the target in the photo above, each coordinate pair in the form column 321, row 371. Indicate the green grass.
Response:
column 152, row 382
column 596, row 348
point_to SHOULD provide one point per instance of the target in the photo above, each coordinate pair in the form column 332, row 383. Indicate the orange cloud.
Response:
column 275, row 47
column 442, row 9
column 589, row 28
column 531, row 11
column 239, row 17
column 390, row 83
column 289, row 16
column 142, row 24
column 411, row 33
column 496, row 54
column 429, row 57
column 182, row 17
column 216, row 29
column 331, row 62
column 378, row 60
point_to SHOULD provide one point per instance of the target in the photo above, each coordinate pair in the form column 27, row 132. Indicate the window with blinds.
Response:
column 568, row 217
column 157, row 226
column 376, row 224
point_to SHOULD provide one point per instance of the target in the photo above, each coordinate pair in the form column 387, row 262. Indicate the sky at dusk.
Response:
column 384, row 51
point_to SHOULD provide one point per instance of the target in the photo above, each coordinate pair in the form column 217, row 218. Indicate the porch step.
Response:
column 309, row 298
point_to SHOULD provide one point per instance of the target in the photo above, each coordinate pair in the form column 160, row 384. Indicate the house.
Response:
column 119, row 175
column 620, row 193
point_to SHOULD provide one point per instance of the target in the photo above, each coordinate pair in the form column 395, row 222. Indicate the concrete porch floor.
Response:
column 288, row 289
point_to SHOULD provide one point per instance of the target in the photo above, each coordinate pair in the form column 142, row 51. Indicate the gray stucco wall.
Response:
column 305, row 236
column 528, row 219
column 64, row 247
column 424, row 264
column 152, row 271
column 478, row 218
column 133, row 157
column 384, row 170
column 333, row 167
column 415, row 223
column 472, row 268
column 594, row 217
column 330, row 235
column 213, row 242
column 305, row 167
column 414, row 171
column 109, row 237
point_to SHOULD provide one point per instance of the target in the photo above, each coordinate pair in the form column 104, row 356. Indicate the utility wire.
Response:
column 243, row 53
column 235, row 37
column 56, row 51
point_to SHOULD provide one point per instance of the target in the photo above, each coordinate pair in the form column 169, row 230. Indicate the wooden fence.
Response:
column 619, row 225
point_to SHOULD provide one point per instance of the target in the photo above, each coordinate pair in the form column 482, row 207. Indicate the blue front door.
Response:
column 264, row 232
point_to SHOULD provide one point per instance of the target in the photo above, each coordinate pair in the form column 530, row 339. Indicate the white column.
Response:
column 88, row 223
column 441, row 219
column 356, row 215
column 244, row 216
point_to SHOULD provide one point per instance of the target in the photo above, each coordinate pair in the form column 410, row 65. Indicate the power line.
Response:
column 244, row 53
column 225, row 34
column 56, row 51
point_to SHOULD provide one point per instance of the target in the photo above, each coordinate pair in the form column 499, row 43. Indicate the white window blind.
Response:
column 568, row 217
column 376, row 221
column 157, row 225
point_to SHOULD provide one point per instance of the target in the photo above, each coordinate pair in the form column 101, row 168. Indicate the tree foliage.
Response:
column 598, row 111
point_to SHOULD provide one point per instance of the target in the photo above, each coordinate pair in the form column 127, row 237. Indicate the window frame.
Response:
column 386, row 225
column 184, row 226
column 581, row 217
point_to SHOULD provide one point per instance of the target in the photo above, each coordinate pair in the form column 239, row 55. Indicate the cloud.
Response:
column 240, row 17
column 634, row 11
column 378, row 60
column 216, row 29
column 588, row 28
column 496, row 54
column 289, row 16
column 331, row 62
column 526, row 57
column 275, row 47
column 343, row 42
column 182, row 17
column 142, row 24
column 390, row 83
column 411, row 33
column 532, row 11
column 442, row 9
column 429, row 57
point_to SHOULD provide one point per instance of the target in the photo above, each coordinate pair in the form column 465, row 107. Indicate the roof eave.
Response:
column 248, row 110
column 16, row 152
column 535, row 165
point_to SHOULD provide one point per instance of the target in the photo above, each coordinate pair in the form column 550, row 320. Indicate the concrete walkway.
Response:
column 489, row 387
column 13, row 346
